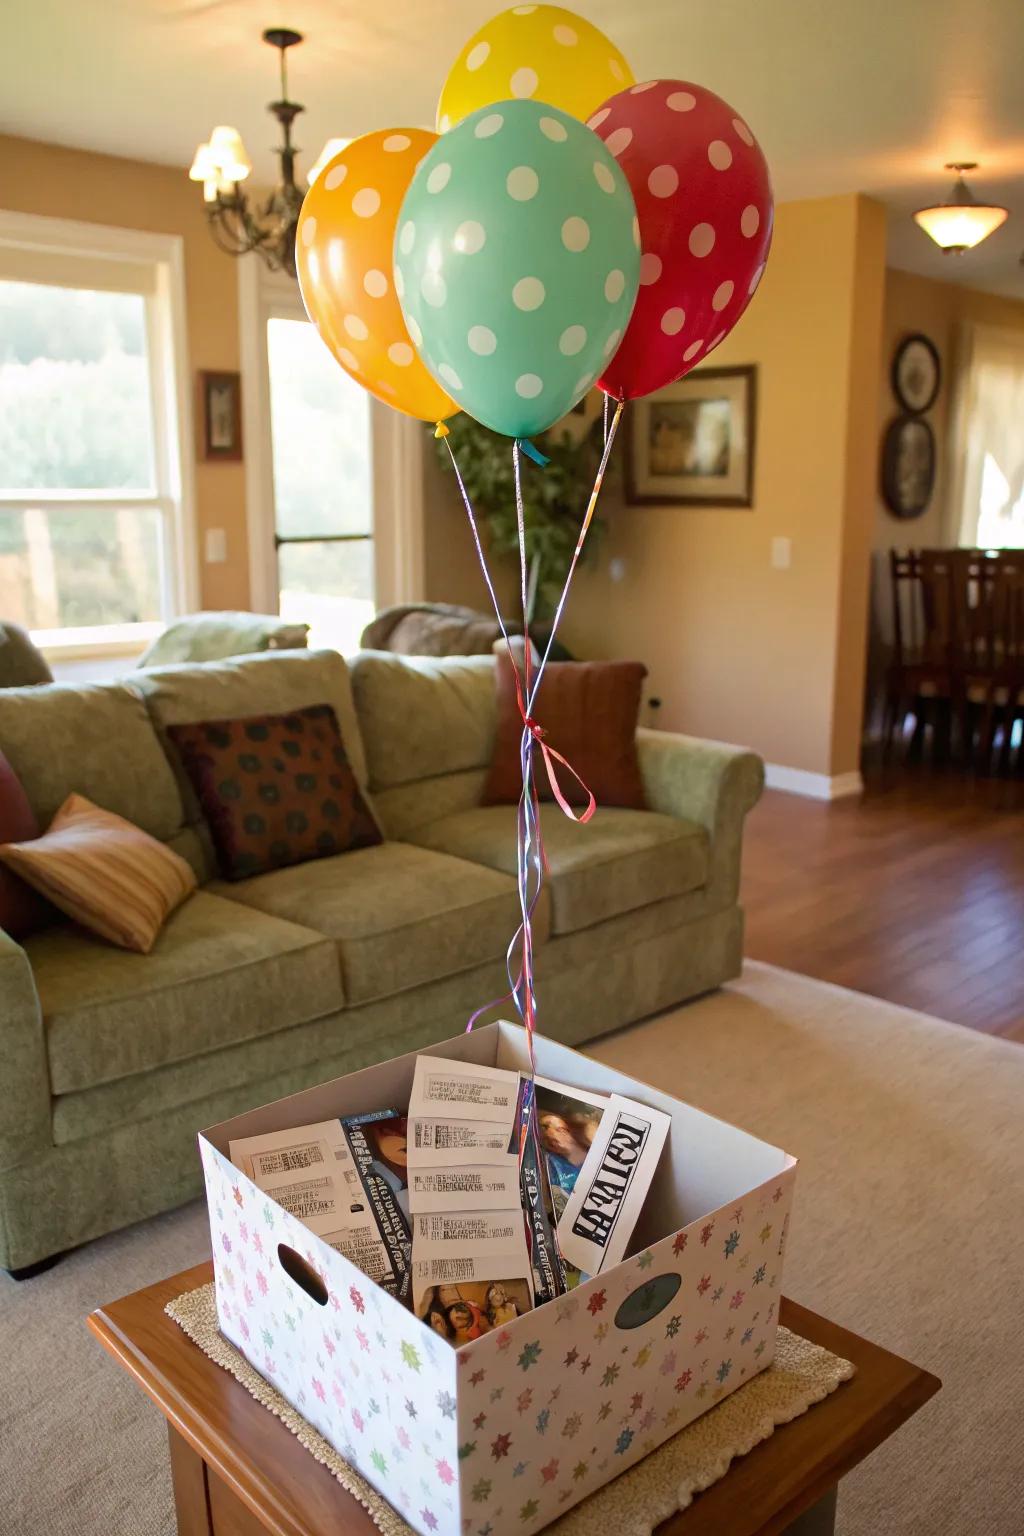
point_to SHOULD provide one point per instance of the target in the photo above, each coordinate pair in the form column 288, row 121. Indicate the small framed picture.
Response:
column 692, row 443
column 916, row 373
column 908, row 465
column 221, row 415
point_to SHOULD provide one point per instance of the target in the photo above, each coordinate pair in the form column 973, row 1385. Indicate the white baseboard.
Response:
column 817, row 786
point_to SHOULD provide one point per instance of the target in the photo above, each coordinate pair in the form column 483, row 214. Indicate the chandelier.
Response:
column 222, row 164
column 961, row 222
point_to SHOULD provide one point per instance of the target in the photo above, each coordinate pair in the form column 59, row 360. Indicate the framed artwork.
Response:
column 221, row 414
column 916, row 374
column 692, row 443
column 908, row 465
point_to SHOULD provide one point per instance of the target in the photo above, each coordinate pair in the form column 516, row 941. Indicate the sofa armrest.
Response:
column 25, row 1117
column 707, row 782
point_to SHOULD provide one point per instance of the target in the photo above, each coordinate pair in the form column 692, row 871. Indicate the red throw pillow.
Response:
column 22, row 910
column 275, row 789
column 589, row 711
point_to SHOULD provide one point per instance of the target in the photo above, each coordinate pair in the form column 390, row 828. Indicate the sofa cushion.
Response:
column 588, row 711
column 400, row 916
column 219, row 973
column 449, row 702
column 95, row 741
column 271, row 683
column 275, row 789
column 105, row 873
column 620, row 860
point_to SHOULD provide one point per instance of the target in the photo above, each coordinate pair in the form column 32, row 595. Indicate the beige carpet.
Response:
column 908, row 1227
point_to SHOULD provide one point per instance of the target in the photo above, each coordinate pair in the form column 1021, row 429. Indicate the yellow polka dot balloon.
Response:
column 534, row 51
column 344, row 249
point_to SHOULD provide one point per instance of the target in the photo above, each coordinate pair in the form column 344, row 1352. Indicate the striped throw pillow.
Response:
column 105, row 873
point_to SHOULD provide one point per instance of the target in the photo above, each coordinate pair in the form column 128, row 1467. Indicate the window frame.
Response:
column 173, row 494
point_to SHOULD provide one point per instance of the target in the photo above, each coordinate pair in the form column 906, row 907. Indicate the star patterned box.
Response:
column 509, row 1431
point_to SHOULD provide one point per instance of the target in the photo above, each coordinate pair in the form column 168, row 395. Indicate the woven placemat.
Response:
column 633, row 1504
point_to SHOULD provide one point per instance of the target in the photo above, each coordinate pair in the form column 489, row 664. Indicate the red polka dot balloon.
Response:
column 704, row 200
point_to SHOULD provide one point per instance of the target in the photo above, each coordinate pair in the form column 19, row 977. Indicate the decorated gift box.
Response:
column 511, row 1429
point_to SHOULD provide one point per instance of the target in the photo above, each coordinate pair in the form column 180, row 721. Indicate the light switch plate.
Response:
column 216, row 546
column 782, row 553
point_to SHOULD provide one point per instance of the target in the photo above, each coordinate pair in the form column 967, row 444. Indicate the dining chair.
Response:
column 920, row 677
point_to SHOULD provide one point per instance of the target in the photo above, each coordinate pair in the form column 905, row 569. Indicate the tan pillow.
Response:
column 104, row 872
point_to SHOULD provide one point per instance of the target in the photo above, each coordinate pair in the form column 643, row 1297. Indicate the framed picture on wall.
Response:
column 692, row 443
column 221, row 415
column 916, row 374
column 908, row 466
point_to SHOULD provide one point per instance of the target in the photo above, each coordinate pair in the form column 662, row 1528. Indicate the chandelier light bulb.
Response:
column 229, row 153
column 204, row 167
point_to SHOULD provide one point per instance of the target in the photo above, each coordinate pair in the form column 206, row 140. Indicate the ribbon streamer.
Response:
column 530, row 860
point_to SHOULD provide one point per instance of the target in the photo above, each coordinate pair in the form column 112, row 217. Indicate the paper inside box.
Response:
column 706, row 1163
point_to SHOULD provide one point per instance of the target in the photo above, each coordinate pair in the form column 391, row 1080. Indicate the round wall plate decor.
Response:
column 916, row 374
column 908, row 466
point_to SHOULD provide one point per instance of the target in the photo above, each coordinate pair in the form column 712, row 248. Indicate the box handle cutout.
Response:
column 302, row 1273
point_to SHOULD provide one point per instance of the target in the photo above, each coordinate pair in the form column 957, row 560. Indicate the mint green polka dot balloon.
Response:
column 517, row 259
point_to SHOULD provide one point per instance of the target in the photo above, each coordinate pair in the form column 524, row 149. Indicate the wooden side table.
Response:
column 238, row 1471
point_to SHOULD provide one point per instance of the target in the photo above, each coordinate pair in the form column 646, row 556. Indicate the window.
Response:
column 90, row 481
column 322, row 483
column 990, row 456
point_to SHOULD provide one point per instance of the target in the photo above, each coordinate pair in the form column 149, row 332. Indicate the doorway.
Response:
column 333, row 478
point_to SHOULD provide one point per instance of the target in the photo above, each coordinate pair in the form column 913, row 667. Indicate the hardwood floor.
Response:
column 913, row 892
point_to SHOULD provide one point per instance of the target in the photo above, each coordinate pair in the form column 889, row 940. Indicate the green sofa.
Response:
column 112, row 1061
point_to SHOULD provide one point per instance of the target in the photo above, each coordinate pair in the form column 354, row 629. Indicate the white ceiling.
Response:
column 845, row 95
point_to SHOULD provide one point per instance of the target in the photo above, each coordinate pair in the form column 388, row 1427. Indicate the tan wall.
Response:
column 735, row 649
column 858, row 518
column 130, row 194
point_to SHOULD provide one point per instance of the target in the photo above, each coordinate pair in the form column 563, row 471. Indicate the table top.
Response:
column 265, row 1466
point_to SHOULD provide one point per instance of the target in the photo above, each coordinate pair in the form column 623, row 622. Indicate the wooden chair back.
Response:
column 979, row 614
column 924, row 618
column 1007, row 605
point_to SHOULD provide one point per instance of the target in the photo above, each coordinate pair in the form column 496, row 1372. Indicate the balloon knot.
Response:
column 525, row 446
column 440, row 430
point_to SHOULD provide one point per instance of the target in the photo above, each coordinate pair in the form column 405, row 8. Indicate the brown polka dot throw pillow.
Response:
column 275, row 789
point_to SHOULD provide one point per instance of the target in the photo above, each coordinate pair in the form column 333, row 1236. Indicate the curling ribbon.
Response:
column 530, row 859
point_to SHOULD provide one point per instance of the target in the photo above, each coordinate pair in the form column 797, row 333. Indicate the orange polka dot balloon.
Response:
column 344, row 255
column 537, row 52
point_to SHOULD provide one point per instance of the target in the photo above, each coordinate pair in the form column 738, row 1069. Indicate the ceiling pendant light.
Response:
column 237, row 224
column 961, row 222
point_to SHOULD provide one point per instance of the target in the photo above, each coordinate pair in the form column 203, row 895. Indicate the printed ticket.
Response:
column 609, row 1191
column 309, row 1171
column 316, row 1148
column 463, row 1189
column 463, row 1090
column 460, row 1143
column 471, row 1272
column 478, row 1232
